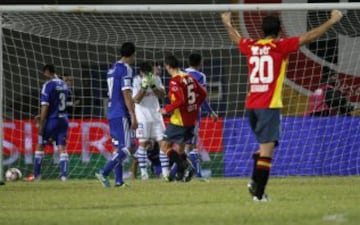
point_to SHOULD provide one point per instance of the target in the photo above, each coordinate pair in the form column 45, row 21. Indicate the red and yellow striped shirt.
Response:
column 186, row 96
column 267, row 62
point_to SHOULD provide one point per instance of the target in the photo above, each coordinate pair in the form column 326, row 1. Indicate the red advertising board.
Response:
column 90, row 136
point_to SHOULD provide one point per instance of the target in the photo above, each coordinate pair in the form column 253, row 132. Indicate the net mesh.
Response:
column 83, row 45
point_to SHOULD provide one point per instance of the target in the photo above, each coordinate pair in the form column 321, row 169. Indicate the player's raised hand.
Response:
column 226, row 18
column 336, row 16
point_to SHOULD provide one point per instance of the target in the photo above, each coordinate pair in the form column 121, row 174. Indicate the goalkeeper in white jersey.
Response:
column 147, row 89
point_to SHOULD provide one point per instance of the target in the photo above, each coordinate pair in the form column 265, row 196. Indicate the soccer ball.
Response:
column 13, row 174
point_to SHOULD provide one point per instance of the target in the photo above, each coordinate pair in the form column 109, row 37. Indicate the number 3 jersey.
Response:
column 55, row 93
column 267, row 61
column 186, row 96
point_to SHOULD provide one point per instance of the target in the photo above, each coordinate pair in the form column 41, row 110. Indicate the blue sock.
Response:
column 157, row 170
column 64, row 164
column 195, row 160
column 118, row 171
column 173, row 170
column 39, row 155
column 118, row 157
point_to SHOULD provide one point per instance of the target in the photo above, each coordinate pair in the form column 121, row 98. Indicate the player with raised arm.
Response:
column 186, row 96
column 267, row 61
column 191, row 146
column 53, row 121
column 147, row 89
column 121, row 114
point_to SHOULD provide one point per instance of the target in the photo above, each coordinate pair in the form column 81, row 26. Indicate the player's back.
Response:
column 267, row 62
column 119, row 78
column 55, row 93
column 199, row 76
column 201, row 79
column 194, row 95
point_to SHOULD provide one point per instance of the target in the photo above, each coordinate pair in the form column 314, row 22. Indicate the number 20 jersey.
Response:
column 267, row 61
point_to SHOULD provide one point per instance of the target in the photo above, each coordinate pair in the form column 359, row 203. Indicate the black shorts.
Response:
column 265, row 123
column 178, row 134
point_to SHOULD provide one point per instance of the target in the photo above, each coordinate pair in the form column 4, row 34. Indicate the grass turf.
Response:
column 294, row 200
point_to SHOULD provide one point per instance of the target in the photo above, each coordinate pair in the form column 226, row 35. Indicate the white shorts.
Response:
column 150, row 130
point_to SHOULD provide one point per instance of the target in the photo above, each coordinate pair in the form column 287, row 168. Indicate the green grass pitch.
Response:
column 294, row 200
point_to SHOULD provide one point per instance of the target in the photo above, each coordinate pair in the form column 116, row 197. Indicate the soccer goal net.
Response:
column 83, row 41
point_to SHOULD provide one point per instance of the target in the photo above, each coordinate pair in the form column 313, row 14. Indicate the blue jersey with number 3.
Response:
column 55, row 93
column 119, row 78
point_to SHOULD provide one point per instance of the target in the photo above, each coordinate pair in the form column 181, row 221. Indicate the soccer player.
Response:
column 186, row 96
column 267, row 60
column 190, row 148
column 120, row 114
column 53, row 121
column 153, row 159
column 147, row 89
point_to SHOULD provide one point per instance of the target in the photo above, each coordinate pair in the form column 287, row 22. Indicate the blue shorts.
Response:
column 265, row 123
column 56, row 129
column 121, row 133
column 178, row 134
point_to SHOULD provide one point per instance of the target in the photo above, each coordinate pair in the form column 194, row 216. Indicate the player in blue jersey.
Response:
column 191, row 146
column 120, row 114
column 53, row 121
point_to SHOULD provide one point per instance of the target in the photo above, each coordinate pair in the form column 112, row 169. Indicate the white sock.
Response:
column 164, row 164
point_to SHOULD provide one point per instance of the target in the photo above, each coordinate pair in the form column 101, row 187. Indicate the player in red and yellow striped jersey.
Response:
column 186, row 96
column 267, row 61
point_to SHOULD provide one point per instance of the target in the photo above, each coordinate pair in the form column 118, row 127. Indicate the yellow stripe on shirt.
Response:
column 276, row 100
column 266, row 42
column 176, row 118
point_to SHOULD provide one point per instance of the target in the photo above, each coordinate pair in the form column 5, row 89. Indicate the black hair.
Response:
column 156, row 63
column 172, row 61
column 194, row 59
column 49, row 67
column 127, row 49
column 146, row 67
column 271, row 26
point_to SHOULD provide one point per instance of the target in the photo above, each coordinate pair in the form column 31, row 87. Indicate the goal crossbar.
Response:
column 177, row 7
column 83, row 39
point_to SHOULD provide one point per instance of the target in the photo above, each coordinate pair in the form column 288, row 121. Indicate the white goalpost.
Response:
column 83, row 40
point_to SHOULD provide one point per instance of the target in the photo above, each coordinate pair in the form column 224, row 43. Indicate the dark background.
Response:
column 28, row 47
